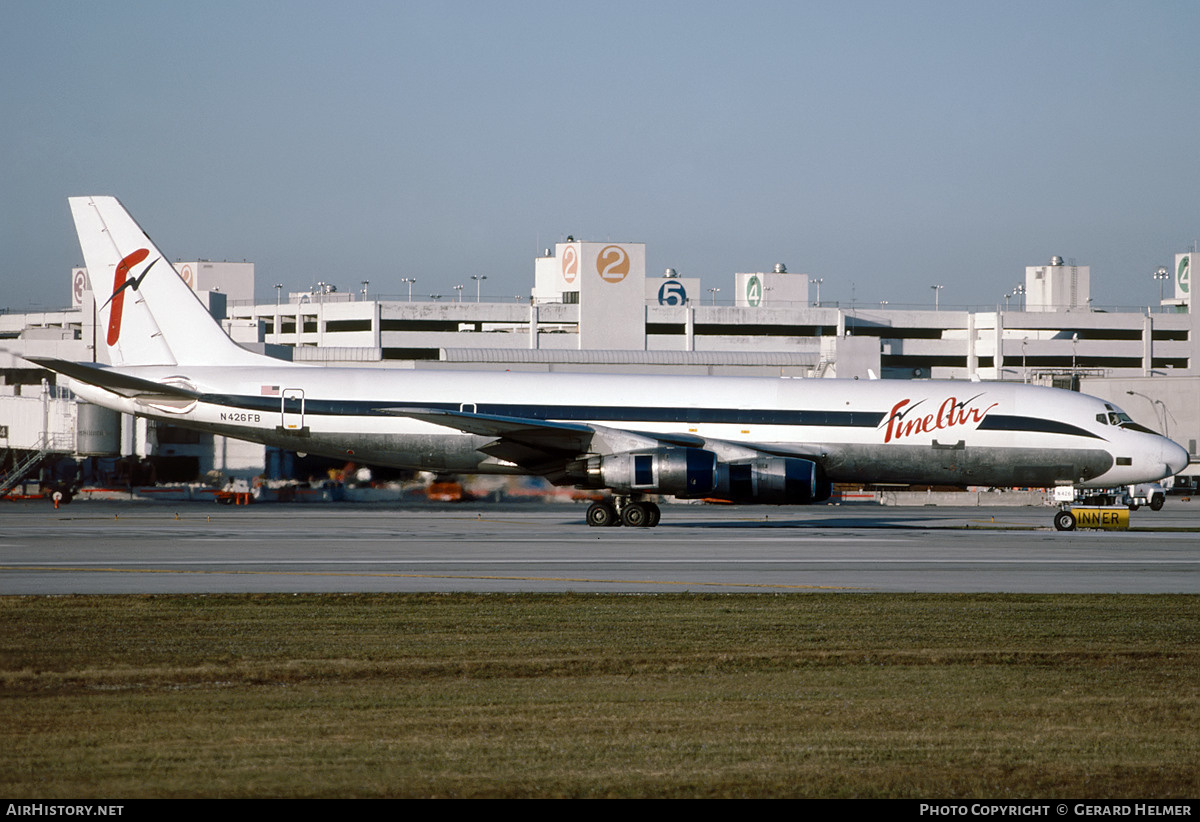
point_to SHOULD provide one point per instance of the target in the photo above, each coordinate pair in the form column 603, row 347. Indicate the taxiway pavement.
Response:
column 142, row 548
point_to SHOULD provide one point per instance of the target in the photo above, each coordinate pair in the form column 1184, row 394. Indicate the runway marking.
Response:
column 374, row 575
column 457, row 539
column 51, row 565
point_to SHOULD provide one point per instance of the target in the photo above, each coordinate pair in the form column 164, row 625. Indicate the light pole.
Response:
column 278, row 294
column 365, row 283
column 1162, row 420
column 937, row 290
column 714, row 292
column 1162, row 275
column 458, row 297
column 410, row 281
column 1019, row 291
column 817, row 282
column 478, row 278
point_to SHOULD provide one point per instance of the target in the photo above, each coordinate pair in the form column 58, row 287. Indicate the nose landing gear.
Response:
column 1064, row 521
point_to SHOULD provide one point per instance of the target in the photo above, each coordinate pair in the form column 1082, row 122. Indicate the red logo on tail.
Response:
column 120, row 283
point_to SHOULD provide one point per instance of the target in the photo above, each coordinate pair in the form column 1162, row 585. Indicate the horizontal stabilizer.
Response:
column 114, row 381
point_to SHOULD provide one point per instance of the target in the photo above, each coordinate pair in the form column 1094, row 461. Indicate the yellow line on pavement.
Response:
column 394, row 575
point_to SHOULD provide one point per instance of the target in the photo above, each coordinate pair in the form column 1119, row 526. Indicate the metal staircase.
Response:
column 41, row 448
column 47, row 444
column 57, row 436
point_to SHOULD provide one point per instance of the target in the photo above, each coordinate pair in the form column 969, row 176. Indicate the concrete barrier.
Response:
column 971, row 499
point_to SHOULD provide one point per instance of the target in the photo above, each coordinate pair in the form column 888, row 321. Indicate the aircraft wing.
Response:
column 546, row 447
column 539, row 446
column 536, row 445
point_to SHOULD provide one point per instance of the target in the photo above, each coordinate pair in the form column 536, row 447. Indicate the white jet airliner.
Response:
column 741, row 439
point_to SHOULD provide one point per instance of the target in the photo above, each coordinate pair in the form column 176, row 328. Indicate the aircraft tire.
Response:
column 635, row 515
column 601, row 515
column 655, row 514
column 1064, row 521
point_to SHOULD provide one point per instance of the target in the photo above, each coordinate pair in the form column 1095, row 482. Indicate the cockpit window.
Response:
column 1122, row 420
column 1102, row 419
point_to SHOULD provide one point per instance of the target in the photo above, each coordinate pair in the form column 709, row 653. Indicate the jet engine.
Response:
column 680, row 472
column 696, row 473
column 771, row 481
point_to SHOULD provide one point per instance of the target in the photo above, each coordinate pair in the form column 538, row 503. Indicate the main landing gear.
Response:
column 623, row 511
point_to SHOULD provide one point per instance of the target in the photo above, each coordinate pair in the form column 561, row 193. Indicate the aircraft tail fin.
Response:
column 147, row 314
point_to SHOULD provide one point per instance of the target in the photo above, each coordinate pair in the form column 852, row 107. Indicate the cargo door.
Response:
column 292, row 410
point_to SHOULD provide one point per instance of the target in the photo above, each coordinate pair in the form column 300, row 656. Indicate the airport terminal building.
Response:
column 592, row 308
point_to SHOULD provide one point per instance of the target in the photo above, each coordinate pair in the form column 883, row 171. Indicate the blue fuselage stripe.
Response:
column 627, row 414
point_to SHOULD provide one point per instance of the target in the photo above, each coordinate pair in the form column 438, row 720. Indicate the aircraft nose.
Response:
column 1174, row 457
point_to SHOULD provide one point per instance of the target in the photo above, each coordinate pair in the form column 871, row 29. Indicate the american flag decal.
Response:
column 270, row 390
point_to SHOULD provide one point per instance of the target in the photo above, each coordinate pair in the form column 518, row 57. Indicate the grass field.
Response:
column 930, row 696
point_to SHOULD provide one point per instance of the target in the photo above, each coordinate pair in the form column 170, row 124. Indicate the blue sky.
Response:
column 882, row 146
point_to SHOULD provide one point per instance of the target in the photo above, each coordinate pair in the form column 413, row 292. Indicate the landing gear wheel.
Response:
column 655, row 514
column 635, row 515
column 1064, row 521
column 601, row 515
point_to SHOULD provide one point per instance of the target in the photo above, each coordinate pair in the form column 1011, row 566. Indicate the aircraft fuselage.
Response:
column 883, row 431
